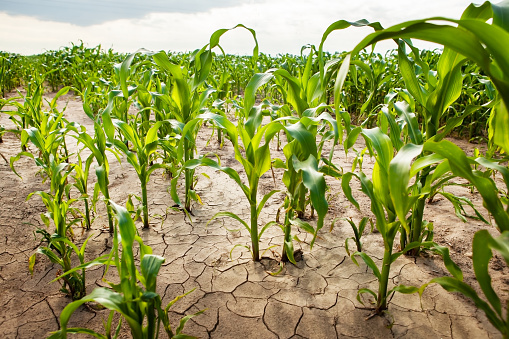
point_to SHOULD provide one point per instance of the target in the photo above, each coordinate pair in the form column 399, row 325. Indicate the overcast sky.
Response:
column 282, row 26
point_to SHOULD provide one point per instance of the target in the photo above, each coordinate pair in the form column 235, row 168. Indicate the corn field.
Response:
column 211, row 195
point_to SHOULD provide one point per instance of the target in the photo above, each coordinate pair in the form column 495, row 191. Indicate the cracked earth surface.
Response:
column 315, row 299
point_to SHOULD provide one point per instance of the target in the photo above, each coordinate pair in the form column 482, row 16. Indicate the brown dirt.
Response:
column 316, row 299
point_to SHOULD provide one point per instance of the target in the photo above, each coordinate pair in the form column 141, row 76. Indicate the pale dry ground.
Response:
column 316, row 299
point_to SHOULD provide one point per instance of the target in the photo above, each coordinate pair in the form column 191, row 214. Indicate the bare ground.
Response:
column 316, row 299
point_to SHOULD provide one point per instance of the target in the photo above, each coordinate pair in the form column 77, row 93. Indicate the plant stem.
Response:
column 188, row 173
column 87, row 215
column 288, row 235
column 384, row 280
column 144, row 202
column 254, row 228
column 417, row 216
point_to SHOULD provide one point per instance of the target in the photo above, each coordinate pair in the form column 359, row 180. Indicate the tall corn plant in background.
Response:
column 187, row 99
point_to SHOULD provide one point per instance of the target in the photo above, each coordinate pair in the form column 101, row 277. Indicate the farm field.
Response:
column 314, row 299
column 209, row 195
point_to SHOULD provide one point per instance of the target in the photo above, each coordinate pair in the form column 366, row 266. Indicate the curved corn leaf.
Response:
column 231, row 215
column 460, row 166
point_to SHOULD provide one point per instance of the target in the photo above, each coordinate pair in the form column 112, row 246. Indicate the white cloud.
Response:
column 282, row 26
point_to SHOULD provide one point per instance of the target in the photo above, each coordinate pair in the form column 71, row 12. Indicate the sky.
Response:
column 282, row 26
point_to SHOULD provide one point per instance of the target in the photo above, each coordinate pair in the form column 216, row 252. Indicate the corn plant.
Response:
column 483, row 243
column 135, row 298
column 140, row 159
column 98, row 146
column 390, row 203
column 302, row 174
column 358, row 231
column 188, row 97
column 82, row 170
column 60, row 246
column 256, row 162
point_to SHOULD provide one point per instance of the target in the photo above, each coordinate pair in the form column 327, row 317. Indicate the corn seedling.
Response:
column 358, row 231
column 302, row 175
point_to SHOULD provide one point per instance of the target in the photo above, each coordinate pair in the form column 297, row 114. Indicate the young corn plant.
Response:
column 81, row 183
column 98, row 146
column 390, row 204
column 187, row 99
column 429, row 178
column 303, row 175
column 256, row 162
column 144, row 146
column 358, row 231
column 60, row 246
column 135, row 298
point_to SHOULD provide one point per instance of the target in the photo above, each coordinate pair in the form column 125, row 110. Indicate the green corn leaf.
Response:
column 192, row 164
column 302, row 225
column 265, row 227
column 494, row 166
column 258, row 80
column 395, row 130
column 107, row 298
column 500, row 126
column 411, row 120
column 347, row 190
column 448, row 262
column 305, row 138
column 361, row 291
column 288, row 245
column 408, row 72
column 371, row 264
column 481, row 257
column 460, row 166
column 102, row 180
column 454, row 285
column 102, row 260
column 399, row 179
column 60, row 334
column 403, row 289
column 382, row 145
column 295, row 95
column 264, row 201
column 150, row 266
